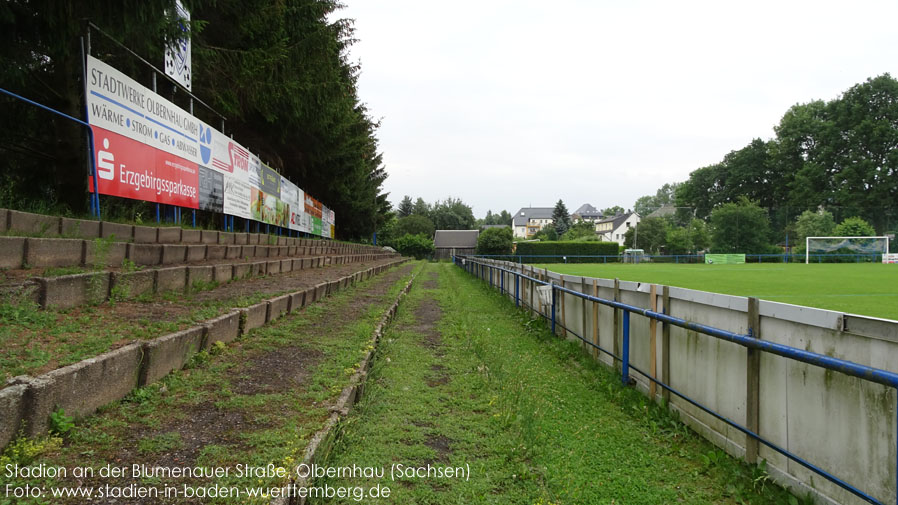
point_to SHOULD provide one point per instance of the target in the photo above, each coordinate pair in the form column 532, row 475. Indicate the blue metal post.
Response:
column 553, row 308
column 157, row 212
column 517, row 291
column 194, row 218
column 625, row 352
column 502, row 282
column 491, row 276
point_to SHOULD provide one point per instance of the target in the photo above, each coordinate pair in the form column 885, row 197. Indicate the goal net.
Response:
column 845, row 248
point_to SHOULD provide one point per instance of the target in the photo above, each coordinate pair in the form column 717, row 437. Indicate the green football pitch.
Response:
column 867, row 288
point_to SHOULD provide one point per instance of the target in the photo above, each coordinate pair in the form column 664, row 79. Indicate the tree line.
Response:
column 278, row 71
column 830, row 162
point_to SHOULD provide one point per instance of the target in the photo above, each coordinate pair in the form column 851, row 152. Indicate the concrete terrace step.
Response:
column 29, row 252
column 14, row 222
column 81, row 388
column 67, row 291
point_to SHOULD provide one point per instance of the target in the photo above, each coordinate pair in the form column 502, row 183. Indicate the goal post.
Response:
column 851, row 245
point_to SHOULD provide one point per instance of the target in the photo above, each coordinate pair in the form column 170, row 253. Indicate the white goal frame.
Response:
column 807, row 242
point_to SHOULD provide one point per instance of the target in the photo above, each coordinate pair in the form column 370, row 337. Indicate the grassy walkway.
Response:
column 463, row 381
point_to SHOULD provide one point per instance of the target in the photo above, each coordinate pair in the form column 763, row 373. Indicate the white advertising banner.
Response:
column 117, row 103
column 237, row 197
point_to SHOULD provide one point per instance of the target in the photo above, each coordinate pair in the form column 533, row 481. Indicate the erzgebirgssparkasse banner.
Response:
column 147, row 148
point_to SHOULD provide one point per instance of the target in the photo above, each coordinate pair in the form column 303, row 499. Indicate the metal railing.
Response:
column 483, row 270
column 684, row 258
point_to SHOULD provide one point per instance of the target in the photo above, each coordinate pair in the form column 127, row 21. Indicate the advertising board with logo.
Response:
column 147, row 148
column 130, row 169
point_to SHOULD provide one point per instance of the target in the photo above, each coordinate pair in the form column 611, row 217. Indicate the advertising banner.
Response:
column 223, row 154
column 147, row 148
column 237, row 197
column 269, row 180
column 211, row 190
column 269, row 208
column 131, row 169
column 325, row 225
column 293, row 197
column 119, row 104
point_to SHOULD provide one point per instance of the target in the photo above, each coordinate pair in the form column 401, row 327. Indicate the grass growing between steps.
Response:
column 34, row 341
column 255, row 402
column 479, row 385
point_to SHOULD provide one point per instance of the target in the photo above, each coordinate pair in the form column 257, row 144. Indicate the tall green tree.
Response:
column 405, row 207
column 421, row 208
column 854, row 227
column 740, row 227
column 650, row 235
column 414, row 225
column 614, row 210
column 495, row 241
column 813, row 224
column 561, row 219
column 645, row 205
column 452, row 214
column 278, row 71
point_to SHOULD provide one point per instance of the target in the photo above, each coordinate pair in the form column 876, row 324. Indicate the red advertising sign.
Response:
column 130, row 169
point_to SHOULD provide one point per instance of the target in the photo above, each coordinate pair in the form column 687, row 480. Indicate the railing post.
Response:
column 753, row 383
column 617, row 331
column 553, row 307
column 625, row 355
column 665, row 343
column 502, row 282
column 517, row 290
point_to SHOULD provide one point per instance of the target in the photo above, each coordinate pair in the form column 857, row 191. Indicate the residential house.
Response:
column 614, row 228
column 449, row 243
column 529, row 220
column 586, row 212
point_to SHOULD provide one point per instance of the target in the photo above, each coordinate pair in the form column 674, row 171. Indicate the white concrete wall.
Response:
column 845, row 425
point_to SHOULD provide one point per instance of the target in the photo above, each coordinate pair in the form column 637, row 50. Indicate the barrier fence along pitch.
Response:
column 749, row 341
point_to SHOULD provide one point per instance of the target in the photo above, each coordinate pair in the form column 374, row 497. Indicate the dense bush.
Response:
column 495, row 241
column 566, row 249
column 418, row 246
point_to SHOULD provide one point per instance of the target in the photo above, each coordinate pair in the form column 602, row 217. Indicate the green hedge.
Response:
column 565, row 249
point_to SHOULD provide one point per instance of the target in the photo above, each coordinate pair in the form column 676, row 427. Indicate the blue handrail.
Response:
column 864, row 372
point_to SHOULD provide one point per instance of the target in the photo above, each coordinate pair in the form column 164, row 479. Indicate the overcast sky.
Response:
column 508, row 104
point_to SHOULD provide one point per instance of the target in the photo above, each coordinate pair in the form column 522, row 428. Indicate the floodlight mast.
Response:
column 807, row 242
